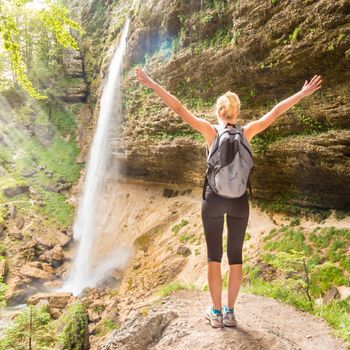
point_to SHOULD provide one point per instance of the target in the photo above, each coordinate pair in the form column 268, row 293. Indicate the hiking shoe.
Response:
column 229, row 319
column 214, row 319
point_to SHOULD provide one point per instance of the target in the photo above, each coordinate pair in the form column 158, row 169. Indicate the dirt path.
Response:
column 263, row 324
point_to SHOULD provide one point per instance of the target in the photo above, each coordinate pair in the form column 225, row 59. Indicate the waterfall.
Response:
column 84, row 273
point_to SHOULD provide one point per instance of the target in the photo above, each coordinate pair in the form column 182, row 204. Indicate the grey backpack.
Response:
column 229, row 163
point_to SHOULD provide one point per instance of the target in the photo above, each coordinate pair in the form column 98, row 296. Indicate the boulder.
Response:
column 62, row 238
column 137, row 332
column 183, row 250
column 330, row 295
column 35, row 272
column 15, row 191
column 56, row 300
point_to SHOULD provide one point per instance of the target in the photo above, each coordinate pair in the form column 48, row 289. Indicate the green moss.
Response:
column 73, row 327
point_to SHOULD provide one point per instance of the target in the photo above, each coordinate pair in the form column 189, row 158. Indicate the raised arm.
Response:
column 199, row 124
column 256, row 126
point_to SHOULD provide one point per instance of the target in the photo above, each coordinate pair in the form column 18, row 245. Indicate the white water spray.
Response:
column 83, row 273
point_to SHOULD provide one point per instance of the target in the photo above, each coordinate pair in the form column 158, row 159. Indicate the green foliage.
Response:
column 222, row 37
column 176, row 228
column 60, row 158
column 187, row 237
column 53, row 18
column 74, row 327
column 57, row 209
column 105, row 326
column 300, row 260
column 282, row 205
column 3, row 288
column 42, row 333
column 173, row 287
column 311, row 124
column 326, row 276
column 295, row 35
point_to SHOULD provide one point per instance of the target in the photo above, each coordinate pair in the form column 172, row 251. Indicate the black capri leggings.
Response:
column 237, row 213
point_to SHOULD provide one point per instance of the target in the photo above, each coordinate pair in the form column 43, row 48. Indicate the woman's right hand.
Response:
column 143, row 78
column 312, row 86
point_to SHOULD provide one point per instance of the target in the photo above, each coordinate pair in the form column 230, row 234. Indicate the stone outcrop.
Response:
column 264, row 58
column 15, row 191
column 35, row 272
column 138, row 332
column 55, row 300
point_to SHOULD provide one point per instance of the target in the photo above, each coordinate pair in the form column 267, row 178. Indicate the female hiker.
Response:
column 214, row 206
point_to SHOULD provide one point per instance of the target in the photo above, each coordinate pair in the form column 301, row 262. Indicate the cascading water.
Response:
column 84, row 273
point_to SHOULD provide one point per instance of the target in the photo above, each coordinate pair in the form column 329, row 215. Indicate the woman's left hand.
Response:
column 143, row 78
column 312, row 86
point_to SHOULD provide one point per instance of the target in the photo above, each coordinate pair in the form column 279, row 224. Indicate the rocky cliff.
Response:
column 264, row 51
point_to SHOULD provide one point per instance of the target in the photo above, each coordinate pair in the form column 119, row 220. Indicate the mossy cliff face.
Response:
column 263, row 51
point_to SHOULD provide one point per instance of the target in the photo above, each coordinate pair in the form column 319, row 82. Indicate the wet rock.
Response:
column 15, row 191
column 19, row 288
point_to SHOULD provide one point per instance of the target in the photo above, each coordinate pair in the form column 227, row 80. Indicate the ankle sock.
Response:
column 216, row 311
column 227, row 309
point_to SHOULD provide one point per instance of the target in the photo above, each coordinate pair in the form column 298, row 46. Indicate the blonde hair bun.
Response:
column 229, row 105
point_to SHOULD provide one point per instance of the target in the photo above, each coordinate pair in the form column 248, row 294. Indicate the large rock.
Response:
column 56, row 300
column 15, row 191
column 35, row 272
column 138, row 331
column 264, row 58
